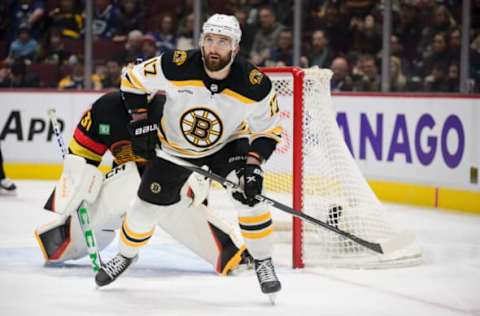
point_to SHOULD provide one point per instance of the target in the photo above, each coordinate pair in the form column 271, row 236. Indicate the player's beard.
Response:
column 215, row 62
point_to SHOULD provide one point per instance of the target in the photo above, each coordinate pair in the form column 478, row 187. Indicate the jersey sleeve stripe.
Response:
column 135, row 81
column 237, row 96
column 274, row 133
column 81, row 151
column 89, row 143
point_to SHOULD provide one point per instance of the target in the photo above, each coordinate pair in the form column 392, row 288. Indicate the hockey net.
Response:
column 313, row 171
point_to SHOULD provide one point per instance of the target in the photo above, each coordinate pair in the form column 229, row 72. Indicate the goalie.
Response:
column 102, row 128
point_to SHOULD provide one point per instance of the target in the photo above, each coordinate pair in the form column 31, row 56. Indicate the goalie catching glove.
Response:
column 144, row 138
column 251, row 179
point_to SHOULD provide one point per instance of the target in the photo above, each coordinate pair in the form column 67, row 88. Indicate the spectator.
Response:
column 131, row 17
column 367, row 35
column 443, row 22
column 475, row 63
column 253, row 8
column 266, row 37
column 111, row 79
column 437, row 53
column 67, row 18
column 341, row 80
column 408, row 28
column 329, row 19
column 248, row 33
column 149, row 47
column 398, row 50
column 282, row 55
column 133, row 48
column 17, row 77
column 75, row 80
column 24, row 46
column 185, row 34
column 106, row 19
column 436, row 81
column 166, row 38
column 398, row 81
column 54, row 51
column 453, row 78
column 454, row 44
column 319, row 53
column 28, row 13
column 368, row 77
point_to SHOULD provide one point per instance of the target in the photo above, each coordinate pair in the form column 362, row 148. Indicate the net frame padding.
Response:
column 315, row 173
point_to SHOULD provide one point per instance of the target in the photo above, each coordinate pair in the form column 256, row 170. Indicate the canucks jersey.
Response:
column 104, row 127
column 202, row 114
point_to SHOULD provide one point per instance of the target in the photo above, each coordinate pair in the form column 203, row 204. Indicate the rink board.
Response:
column 422, row 150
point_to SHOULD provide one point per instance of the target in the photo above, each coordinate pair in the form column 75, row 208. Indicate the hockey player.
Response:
column 220, row 111
column 102, row 128
column 6, row 185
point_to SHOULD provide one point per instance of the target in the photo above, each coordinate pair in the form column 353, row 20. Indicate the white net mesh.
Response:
column 333, row 188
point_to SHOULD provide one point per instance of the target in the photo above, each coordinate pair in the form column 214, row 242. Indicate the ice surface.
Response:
column 170, row 280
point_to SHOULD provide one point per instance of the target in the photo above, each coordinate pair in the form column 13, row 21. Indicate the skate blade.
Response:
column 272, row 297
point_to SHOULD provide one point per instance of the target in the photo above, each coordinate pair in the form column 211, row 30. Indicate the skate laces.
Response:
column 116, row 266
column 265, row 271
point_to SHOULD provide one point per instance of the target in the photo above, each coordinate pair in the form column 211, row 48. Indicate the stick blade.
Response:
column 399, row 241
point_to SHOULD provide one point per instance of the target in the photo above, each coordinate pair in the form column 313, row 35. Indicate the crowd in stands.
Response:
column 42, row 41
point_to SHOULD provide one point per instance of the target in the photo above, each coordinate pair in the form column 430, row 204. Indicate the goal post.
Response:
column 313, row 171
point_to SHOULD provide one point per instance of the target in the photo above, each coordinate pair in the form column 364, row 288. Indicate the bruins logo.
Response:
column 255, row 76
column 179, row 57
column 155, row 187
column 201, row 127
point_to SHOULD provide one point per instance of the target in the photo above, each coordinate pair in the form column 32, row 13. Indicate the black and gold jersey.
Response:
column 202, row 114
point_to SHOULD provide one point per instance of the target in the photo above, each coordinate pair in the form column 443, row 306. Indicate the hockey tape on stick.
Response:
column 399, row 241
column 82, row 211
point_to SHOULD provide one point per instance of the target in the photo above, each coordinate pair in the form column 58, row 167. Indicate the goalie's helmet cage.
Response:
column 313, row 171
column 222, row 24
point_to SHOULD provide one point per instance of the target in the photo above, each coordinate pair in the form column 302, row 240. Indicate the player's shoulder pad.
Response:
column 249, row 81
column 182, row 64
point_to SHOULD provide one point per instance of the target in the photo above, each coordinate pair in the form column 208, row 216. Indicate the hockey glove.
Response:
column 144, row 138
column 251, row 176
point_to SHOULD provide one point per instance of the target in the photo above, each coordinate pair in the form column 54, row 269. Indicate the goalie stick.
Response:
column 82, row 211
column 399, row 241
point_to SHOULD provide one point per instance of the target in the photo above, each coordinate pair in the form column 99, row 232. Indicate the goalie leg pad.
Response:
column 63, row 240
column 79, row 182
column 118, row 192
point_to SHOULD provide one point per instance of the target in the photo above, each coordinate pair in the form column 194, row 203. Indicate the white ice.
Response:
column 170, row 280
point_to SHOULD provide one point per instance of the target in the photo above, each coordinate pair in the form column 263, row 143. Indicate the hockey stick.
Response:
column 387, row 247
column 82, row 211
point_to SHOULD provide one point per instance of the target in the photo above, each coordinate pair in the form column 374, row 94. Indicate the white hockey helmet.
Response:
column 222, row 24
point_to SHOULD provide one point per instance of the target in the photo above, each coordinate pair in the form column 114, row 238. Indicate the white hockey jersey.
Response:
column 201, row 114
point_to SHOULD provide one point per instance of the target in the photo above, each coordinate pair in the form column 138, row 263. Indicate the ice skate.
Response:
column 110, row 271
column 267, row 278
column 7, row 187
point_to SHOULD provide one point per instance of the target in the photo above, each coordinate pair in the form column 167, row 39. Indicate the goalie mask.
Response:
column 226, row 26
